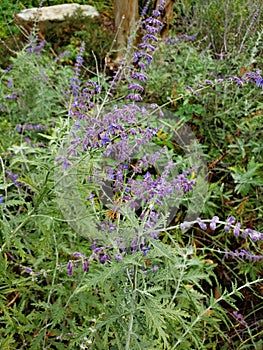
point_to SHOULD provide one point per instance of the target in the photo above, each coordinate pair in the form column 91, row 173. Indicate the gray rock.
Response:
column 56, row 13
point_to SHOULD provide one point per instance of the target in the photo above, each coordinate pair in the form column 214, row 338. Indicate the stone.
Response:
column 56, row 12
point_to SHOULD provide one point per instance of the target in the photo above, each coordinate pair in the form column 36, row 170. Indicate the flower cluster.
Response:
column 14, row 177
column 254, row 77
column 37, row 127
column 36, row 48
column 239, row 318
column 230, row 223
column 182, row 37
column 243, row 255
column 152, row 26
column 103, row 255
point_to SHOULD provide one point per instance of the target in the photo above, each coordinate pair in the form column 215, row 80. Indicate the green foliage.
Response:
column 33, row 91
column 224, row 26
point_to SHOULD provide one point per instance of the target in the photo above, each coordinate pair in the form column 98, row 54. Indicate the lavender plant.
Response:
column 132, row 264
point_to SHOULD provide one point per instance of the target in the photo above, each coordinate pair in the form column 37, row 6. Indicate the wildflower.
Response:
column 28, row 270
column 209, row 82
column 236, row 230
column 144, row 250
column 240, row 318
column 85, row 266
column 201, row 224
column 149, row 37
column 78, row 255
column 156, row 13
column 153, row 21
column 213, row 222
column 134, row 97
column 184, row 225
column 13, row 177
column 70, row 268
column 118, row 257
column 65, row 164
column 104, row 141
column 259, row 82
column 103, row 258
column 147, row 46
column 231, row 220
column 137, row 87
column 140, row 76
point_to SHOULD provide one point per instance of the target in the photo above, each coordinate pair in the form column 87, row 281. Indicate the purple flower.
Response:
column 146, row 46
column 153, row 21
column 213, row 222
column 28, row 270
column 142, row 65
column 144, row 250
column 141, row 54
column 156, row 13
column 104, row 141
column 13, row 177
column 144, row 10
column 236, row 230
column 149, row 37
column 103, row 258
column 85, row 266
column 134, row 97
column 65, row 164
column 209, row 82
column 118, row 257
column 137, row 87
column 231, row 220
column 151, row 30
column 78, row 255
column 140, row 76
column 98, row 250
column 240, row 318
column 259, row 82
column 70, row 268
column 201, row 224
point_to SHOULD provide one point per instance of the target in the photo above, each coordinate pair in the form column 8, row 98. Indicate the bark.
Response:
column 126, row 13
